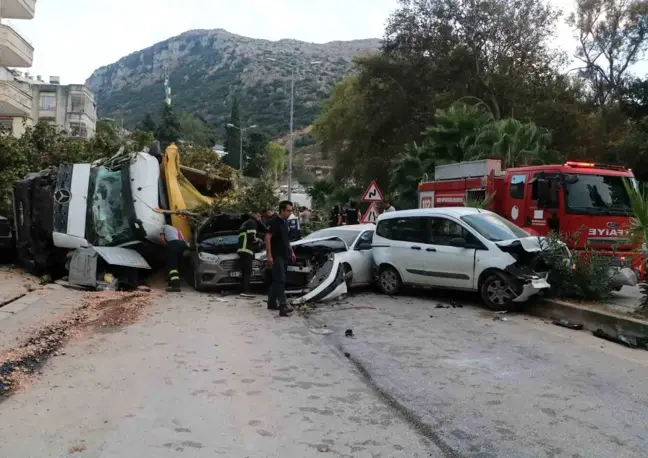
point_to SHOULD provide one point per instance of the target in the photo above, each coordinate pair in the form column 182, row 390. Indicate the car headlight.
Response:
column 208, row 257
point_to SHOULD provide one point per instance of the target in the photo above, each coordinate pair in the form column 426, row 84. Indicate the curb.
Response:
column 614, row 325
column 25, row 301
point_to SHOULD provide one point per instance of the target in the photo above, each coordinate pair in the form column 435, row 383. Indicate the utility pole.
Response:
column 290, row 145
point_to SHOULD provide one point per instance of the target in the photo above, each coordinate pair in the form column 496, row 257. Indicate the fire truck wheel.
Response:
column 389, row 281
column 497, row 293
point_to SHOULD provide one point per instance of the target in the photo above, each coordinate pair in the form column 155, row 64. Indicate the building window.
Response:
column 47, row 102
column 76, row 103
column 78, row 129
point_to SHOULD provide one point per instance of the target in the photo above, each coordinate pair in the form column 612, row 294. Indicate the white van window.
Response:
column 410, row 229
column 493, row 227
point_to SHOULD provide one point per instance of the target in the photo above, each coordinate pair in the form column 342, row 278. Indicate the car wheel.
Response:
column 197, row 283
column 389, row 281
column 497, row 293
column 348, row 274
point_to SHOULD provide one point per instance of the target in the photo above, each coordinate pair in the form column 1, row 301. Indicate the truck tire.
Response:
column 497, row 293
column 389, row 281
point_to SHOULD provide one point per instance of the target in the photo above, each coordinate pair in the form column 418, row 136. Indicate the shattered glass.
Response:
column 108, row 216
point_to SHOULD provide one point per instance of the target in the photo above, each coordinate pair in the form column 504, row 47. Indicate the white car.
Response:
column 330, row 261
column 458, row 248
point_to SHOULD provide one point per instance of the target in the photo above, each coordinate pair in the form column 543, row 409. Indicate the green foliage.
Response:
column 250, row 196
column 305, row 141
column 233, row 140
column 204, row 158
column 276, row 155
column 168, row 131
column 319, row 193
column 255, row 153
column 480, row 203
column 195, row 130
column 147, row 124
column 407, row 171
column 613, row 35
column 583, row 275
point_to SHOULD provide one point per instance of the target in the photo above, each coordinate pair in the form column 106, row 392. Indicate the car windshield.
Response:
column 111, row 216
column 493, row 227
column 346, row 235
column 597, row 194
column 220, row 240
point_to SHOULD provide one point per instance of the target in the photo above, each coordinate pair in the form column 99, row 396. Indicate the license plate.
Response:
column 234, row 274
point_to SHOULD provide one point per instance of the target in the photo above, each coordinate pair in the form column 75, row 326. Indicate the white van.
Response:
column 457, row 248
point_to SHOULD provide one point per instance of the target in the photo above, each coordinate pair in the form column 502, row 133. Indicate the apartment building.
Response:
column 25, row 100
column 17, row 52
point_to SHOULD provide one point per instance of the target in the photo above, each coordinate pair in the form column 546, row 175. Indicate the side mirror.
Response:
column 363, row 246
column 458, row 242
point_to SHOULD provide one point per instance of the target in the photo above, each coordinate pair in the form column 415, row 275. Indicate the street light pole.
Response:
column 241, row 130
column 290, row 146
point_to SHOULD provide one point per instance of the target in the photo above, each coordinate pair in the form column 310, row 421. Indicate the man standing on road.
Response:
column 353, row 215
column 176, row 247
column 248, row 244
column 279, row 253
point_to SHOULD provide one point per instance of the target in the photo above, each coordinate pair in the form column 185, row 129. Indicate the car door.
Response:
column 360, row 258
column 409, row 235
column 448, row 266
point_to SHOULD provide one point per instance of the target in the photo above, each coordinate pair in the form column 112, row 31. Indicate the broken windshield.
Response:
column 109, row 212
column 597, row 194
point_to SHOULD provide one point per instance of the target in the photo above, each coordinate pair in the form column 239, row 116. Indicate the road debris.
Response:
column 622, row 340
column 348, row 333
column 567, row 324
column 106, row 309
column 501, row 318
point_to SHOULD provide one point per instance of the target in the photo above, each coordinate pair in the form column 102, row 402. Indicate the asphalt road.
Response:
column 478, row 387
column 199, row 377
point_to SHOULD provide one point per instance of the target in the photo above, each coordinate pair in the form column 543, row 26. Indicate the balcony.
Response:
column 15, row 51
column 18, row 9
column 14, row 101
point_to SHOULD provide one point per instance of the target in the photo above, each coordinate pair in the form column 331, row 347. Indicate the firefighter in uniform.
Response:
column 248, row 244
column 176, row 246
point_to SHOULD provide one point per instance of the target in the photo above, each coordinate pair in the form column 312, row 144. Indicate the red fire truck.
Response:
column 586, row 202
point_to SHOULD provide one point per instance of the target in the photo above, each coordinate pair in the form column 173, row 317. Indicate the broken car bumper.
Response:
column 531, row 288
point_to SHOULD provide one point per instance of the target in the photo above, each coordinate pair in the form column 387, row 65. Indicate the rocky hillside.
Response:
column 208, row 68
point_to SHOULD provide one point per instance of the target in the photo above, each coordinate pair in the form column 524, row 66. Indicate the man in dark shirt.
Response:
column 353, row 214
column 248, row 244
column 279, row 253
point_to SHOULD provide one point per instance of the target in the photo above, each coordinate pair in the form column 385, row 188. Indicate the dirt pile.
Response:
column 103, row 310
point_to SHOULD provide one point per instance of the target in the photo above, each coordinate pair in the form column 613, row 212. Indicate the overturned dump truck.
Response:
column 113, row 202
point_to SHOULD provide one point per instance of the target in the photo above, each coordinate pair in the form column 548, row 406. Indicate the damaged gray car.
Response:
column 459, row 248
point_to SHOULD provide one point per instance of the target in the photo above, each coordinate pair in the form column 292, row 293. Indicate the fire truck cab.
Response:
column 586, row 203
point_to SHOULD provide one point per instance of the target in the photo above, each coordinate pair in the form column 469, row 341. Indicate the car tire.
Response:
column 348, row 274
column 197, row 283
column 389, row 281
column 497, row 293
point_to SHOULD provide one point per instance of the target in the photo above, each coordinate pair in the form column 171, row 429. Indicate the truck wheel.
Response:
column 389, row 281
column 497, row 294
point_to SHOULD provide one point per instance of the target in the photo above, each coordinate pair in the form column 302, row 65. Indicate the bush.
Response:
column 583, row 275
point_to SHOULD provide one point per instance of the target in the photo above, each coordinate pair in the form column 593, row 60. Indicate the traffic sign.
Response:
column 371, row 215
column 372, row 194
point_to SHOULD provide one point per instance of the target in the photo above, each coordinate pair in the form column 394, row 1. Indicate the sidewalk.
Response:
column 613, row 317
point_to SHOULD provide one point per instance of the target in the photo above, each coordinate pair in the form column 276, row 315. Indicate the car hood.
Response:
column 531, row 244
column 319, row 239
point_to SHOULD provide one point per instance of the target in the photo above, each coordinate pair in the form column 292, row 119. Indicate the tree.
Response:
column 233, row 140
column 409, row 168
column 255, row 148
column 276, row 155
column 195, row 130
column 635, row 100
column 612, row 35
column 514, row 143
column 147, row 124
column 168, row 131
column 319, row 192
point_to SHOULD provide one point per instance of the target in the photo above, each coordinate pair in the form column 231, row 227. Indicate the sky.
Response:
column 72, row 38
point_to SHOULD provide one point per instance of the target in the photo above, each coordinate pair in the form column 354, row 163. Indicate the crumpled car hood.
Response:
column 319, row 239
column 528, row 244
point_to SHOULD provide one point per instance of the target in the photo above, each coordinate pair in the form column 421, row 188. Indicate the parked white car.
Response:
column 458, row 248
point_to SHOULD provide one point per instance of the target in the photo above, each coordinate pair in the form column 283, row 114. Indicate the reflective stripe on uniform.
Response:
column 244, row 250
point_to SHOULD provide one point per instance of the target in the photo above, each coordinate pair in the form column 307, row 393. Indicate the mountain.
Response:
column 208, row 68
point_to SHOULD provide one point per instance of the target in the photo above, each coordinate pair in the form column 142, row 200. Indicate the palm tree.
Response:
column 409, row 168
column 514, row 143
column 320, row 191
column 451, row 137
